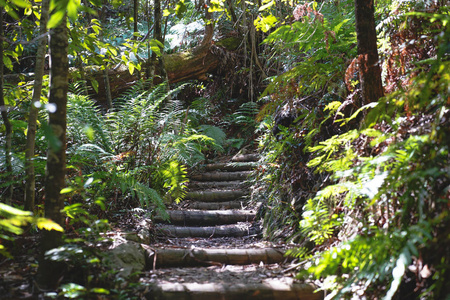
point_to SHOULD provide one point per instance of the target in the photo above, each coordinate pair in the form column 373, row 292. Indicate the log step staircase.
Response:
column 217, row 208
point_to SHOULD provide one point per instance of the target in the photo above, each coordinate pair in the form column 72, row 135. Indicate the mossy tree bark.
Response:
column 49, row 271
column 369, row 65
column 5, row 118
column 32, row 118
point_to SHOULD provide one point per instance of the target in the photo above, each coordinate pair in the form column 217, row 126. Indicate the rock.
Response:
column 127, row 258
column 144, row 235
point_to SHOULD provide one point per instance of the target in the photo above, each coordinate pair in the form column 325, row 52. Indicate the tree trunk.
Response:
column 159, row 62
column 202, row 218
column 32, row 118
column 194, row 63
column 369, row 64
column 198, row 257
column 49, row 271
column 6, row 122
column 135, row 19
column 105, row 71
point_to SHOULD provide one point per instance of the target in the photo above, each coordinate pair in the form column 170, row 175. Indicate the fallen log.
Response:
column 198, row 257
column 201, row 218
column 238, row 166
column 274, row 290
column 217, row 205
column 207, row 232
column 221, row 176
column 194, row 63
column 214, row 196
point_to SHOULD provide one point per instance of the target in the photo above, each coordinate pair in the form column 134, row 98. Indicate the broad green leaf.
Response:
column 267, row 5
column 56, row 18
column 100, row 291
column 67, row 190
column 72, row 9
column 21, row 3
column 94, row 85
column 131, row 68
column 6, row 210
column 7, row 62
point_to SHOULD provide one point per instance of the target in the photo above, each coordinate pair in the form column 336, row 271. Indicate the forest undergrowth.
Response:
column 364, row 189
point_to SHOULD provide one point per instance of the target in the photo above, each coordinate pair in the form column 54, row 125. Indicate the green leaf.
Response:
column 67, row 190
column 21, row 3
column 100, row 291
column 267, row 6
column 265, row 23
column 94, row 85
column 131, row 68
column 72, row 9
column 7, row 62
column 56, row 18
column 47, row 224
column 6, row 210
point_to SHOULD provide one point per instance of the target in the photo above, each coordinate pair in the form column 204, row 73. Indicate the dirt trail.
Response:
column 212, row 248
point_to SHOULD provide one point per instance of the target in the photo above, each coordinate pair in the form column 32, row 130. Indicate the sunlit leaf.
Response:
column 56, row 18
column 6, row 210
column 21, row 3
column 100, row 291
column 94, row 84
column 47, row 224
column 67, row 190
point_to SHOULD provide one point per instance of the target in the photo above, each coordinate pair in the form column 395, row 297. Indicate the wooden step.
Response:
column 221, row 176
column 270, row 290
column 206, row 185
column 201, row 256
column 216, row 196
column 238, row 230
column 237, row 166
column 217, row 205
column 251, row 157
column 212, row 217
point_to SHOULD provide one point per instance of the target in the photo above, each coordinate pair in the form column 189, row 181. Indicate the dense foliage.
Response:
column 369, row 186
column 364, row 189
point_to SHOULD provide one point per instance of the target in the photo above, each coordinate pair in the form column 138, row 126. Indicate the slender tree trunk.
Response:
column 32, row 118
column 6, row 122
column 369, row 65
column 49, row 271
column 107, row 87
column 157, row 35
column 135, row 18
column 149, row 70
column 106, row 67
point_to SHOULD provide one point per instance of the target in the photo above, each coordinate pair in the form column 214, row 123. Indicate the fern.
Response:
column 85, row 123
column 318, row 224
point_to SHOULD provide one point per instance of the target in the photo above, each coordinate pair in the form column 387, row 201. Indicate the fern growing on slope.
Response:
column 141, row 148
column 391, row 188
